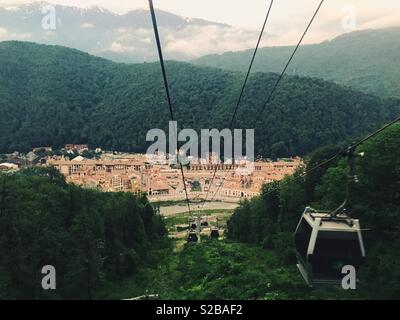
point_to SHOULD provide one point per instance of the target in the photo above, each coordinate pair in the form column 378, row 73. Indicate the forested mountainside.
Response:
column 270, row 219
column 365, row 60
column 91, row 238
column 52, row 95
column 113, row 245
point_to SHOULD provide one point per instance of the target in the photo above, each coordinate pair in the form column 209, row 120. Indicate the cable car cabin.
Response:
column 192, row 237
column 214, row 233
column 324, row 244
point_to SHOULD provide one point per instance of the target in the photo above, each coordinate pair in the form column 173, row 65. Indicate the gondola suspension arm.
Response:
column 346, row 206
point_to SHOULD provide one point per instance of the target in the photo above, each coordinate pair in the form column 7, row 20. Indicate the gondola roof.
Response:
column 327, row 223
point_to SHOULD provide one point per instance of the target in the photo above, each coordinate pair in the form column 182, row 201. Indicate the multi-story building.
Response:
column 160, row 181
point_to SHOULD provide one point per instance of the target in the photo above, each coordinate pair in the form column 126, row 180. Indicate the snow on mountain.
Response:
column 121, row 37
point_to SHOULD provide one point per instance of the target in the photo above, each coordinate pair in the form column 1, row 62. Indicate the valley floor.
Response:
column 219, row 269
column 222, row 270
column 175, row 208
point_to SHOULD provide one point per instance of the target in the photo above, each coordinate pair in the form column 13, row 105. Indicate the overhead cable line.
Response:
column 282, row 74
column 243, row 88
column 169, row 100
column 292, row 56
column 352, row 146
column 251, row 65
column 341, row 152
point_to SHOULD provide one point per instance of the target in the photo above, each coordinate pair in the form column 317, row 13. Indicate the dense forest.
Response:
column 223, row 270
column 366, row 60
column 270, row 219
column 51, row 95
column 92, row 239
column 113, row 245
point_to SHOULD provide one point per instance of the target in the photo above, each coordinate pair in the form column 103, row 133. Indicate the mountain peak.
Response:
column 124, row 37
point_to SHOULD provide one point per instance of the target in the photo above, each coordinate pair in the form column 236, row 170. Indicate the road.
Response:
column 171, row 210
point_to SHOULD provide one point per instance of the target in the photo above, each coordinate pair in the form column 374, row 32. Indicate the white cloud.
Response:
column 3, row 31
column 5, row 35
column 12, row 8
column 189, row 42
column 87, row 25
column 120, row 48
column 196, row 41
column 137, row 34
column 287, row 22
column 381, row 22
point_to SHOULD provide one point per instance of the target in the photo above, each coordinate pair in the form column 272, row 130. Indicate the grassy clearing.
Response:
column 222, row 270
column 182, row 218
column 219, row 269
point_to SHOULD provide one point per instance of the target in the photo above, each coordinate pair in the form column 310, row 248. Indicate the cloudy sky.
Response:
column 287, row 14
column 287, row 22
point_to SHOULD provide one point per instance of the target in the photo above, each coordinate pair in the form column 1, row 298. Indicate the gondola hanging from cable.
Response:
column 214, row 234
column 192, row 237
column 325, row 244
column 326, row 241
column 194, row 230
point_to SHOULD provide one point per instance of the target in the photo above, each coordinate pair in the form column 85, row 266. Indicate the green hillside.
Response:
column 52, row 95
column 93, row 239
column 365, row 60
column 112, row 245
column 270, row 219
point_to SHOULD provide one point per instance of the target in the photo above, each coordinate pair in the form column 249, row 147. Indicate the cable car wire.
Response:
column 167, row 91
column 334, row 157
column 281, row 74
column 376, row 132
column 251, row 65
column 242, row 90
column 292, row 56
column 341, row 153
column 353, row 146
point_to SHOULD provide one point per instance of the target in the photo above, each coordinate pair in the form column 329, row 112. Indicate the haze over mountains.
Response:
column 365, row 60
column 53, row 95
column 127, row 37
column 86, row 99
column 116, row 245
